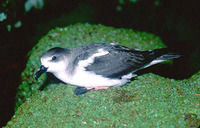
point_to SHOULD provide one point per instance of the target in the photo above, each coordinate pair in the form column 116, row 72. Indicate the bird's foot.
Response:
column 82, row 90
column 97, row 88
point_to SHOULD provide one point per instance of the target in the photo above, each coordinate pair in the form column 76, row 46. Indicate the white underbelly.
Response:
column 90, row 79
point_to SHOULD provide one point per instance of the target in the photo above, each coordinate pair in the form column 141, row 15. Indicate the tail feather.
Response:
column 164, row 54
column 168, row 57
column 160, row 55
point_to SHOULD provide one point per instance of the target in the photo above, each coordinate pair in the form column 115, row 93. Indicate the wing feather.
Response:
column 120, row 60
column 117, row 63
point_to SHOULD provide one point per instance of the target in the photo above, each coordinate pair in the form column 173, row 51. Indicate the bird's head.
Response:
column 54, row 61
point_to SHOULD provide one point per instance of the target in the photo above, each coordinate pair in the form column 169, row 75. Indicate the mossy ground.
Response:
column 148, row 101
column 77, row 35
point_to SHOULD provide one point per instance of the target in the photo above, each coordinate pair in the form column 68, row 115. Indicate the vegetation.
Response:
column 148, row 101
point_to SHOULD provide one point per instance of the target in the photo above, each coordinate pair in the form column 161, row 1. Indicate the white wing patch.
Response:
column 90, row 60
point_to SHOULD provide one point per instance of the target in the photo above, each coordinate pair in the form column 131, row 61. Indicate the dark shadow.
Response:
column 179, row 70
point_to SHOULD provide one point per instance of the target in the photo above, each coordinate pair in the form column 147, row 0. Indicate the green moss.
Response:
column 148, row 101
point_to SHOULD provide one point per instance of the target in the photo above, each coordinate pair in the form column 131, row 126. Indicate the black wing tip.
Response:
column 166, row 53
column 81, row 90
column 169, row 57
column 175, row 56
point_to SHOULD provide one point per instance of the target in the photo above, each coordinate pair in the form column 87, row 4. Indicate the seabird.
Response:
column 99, row 66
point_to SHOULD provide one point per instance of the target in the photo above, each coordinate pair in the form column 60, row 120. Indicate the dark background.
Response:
column 177, row 22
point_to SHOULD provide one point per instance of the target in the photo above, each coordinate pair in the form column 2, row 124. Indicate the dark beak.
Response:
column 40, row 72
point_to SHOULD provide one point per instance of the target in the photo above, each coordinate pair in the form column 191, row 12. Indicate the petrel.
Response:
column 100, row 65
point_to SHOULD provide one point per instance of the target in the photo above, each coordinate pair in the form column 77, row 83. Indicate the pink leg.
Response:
column 97, row 88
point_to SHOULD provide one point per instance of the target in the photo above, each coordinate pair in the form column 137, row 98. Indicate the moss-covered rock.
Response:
column 77, row 35
column 148, row 101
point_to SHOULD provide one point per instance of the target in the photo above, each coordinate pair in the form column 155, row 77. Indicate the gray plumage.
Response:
column 120, row 60
column 105, row 61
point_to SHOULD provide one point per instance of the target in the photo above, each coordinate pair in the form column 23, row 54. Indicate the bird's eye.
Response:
column 54, row 58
